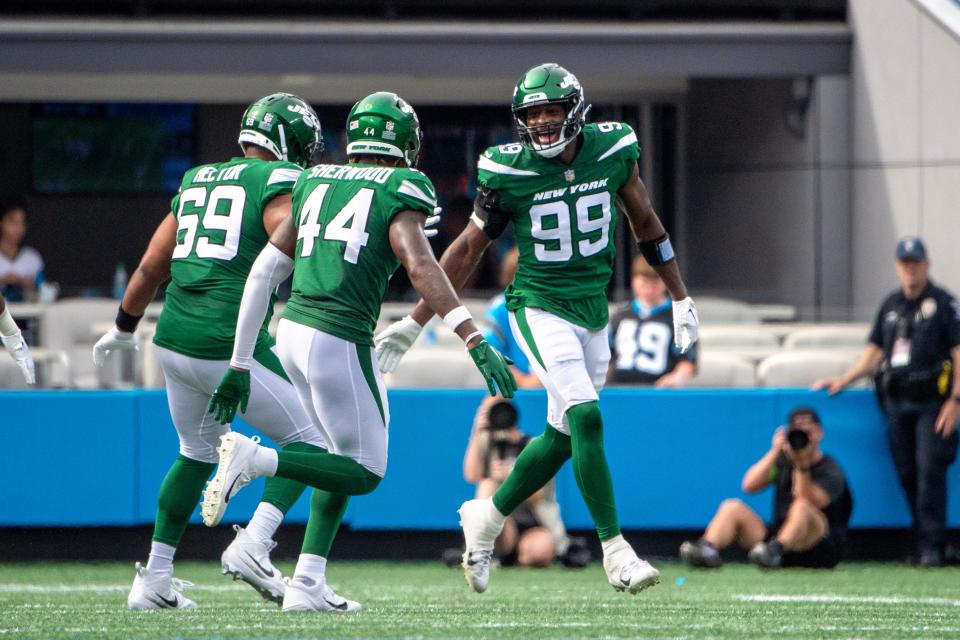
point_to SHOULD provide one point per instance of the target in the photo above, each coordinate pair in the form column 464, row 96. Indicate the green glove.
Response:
column 495, row 368
column 233, row 389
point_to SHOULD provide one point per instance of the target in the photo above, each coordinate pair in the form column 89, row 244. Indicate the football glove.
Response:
column 495, row 368
column 394, row 341
column 16, row 346
column 233, row 390
column 430, row 226
column 114, row 340
column 686, row 324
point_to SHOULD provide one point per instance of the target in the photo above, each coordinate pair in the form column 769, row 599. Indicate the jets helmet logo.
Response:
column 570, row 81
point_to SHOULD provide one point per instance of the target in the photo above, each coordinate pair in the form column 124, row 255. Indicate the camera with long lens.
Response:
column 501, row 421
column 798, row 439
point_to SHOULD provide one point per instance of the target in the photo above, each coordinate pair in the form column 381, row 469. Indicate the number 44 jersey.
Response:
column 220, row 233
column 563, row 219
column 343, row 259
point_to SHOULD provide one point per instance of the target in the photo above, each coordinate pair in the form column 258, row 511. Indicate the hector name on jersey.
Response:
column 563, row 219
column 220, row 233
column 343, row 259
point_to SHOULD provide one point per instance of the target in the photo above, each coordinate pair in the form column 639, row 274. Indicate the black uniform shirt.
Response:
column 827, row 475
column 642, row 344
column 930, row 322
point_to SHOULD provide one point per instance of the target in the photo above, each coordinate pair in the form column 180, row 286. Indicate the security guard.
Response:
column 914, row 350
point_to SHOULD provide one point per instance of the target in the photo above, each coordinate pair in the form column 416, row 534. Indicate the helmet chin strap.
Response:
column 554, row 150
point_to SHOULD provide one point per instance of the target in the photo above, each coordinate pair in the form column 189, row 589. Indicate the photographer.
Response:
column 534, row 535
column 811, row 505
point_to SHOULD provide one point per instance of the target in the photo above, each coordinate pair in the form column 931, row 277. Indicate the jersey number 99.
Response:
column 551, row 222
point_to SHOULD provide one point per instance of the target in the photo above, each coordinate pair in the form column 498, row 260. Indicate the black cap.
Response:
column 911, row 248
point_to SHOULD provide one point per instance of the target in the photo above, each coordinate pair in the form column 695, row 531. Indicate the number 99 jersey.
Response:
column 343, row 260
column 563, row 220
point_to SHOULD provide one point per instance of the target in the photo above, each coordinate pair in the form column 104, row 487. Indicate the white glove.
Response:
column 685, row 323
column 114, row 340
column 17, row 347
column 394, row 341
column 429, row 227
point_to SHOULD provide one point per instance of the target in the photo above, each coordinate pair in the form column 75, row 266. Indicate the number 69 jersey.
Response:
column 563, row 219
column 220, row 233
column 343, row 259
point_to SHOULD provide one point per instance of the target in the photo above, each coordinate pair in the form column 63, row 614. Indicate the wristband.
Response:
column 657, row 252
column 7, row 325
column 126, row 322
column 475, row 334
column 457, row 317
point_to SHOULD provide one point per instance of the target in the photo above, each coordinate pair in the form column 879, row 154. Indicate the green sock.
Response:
column 326, row 512
column 326, row 471
column 179, row 495
column 535, row 466
column 590, row 467
column 283, row 493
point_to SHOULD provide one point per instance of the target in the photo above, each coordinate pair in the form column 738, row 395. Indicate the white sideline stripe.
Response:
column 621, row 143
column 94, row 588
column 834, row 598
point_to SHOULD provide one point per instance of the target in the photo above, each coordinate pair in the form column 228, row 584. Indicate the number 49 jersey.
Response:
column 563, row 219
column 220, row 233
column 343, row 259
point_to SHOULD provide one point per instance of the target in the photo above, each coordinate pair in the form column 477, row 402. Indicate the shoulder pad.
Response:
column 612, row 137
column 500, row 161
column 416, row 185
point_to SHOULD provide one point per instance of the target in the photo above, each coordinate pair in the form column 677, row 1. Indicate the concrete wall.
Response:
column 905, row 147
column 777, row 201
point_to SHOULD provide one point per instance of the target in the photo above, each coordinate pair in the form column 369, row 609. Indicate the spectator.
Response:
column 811, row 505
column 497, row 327
column 641, row 336
column 21, row 268
column 915, row 342
column 533, row 535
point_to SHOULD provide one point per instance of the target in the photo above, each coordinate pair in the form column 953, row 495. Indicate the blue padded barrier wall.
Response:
column 97, row 458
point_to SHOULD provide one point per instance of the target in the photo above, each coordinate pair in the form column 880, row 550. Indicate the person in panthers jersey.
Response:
column 641, row 336
column 352, row 226
column 219, row 221
column 558, row 187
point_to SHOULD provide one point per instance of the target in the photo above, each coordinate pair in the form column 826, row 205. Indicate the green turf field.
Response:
column 64, row 600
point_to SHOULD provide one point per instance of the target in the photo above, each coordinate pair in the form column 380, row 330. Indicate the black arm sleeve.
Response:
column 488, row 210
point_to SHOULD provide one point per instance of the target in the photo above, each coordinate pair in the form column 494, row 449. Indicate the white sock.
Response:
column 613, row 544
column 265, row 461
column 494, row 514
column 160, row 562
column 311, row 566
column 265, row 522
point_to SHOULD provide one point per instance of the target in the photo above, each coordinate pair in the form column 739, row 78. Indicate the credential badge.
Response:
column 569, row 175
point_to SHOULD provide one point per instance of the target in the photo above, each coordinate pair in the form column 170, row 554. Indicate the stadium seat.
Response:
column 717, row 310
column 802, row 367
column 435, row 368
column 68, row 326
column 845, row 336
column 723, row 370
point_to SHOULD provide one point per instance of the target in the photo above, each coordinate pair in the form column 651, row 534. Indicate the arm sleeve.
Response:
column 271, row 268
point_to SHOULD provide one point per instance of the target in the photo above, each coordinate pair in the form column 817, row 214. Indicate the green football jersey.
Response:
column 219, row 211
column 343, row 260
column 563, row 219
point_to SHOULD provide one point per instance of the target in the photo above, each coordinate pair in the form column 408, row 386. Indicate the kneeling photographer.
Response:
column 811, row 505
column 533, row 535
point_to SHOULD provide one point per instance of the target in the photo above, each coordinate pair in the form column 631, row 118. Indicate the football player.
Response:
column 352, row 226
column 558, row 186
column 219, row 222
column 14, row 343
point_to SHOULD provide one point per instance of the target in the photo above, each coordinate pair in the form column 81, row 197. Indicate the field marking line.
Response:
column 95, row 588
column 842, row 599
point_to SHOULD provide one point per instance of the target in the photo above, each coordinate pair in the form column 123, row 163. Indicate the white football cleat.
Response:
column 627, row 572
column 234, row 472
column 305, row 594
column 479, row 534
column 249, row 560
column 150, row 591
